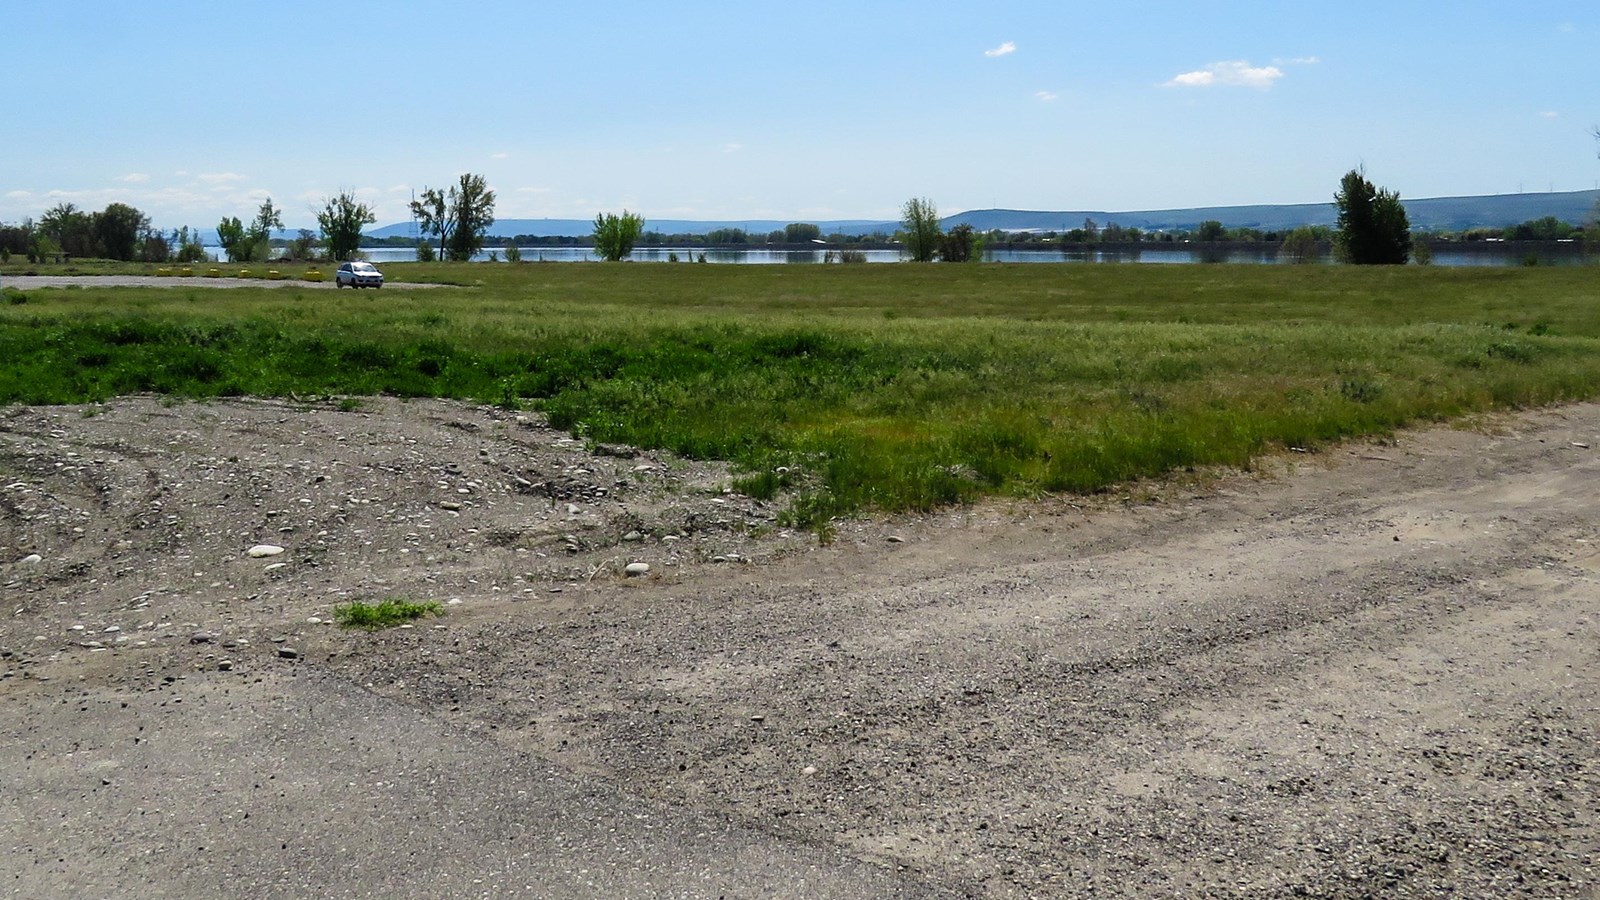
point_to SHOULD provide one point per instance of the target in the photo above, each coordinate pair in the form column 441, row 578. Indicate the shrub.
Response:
column 614, row 235
column 956, row 245
column 387, row 614
column 1301, row 245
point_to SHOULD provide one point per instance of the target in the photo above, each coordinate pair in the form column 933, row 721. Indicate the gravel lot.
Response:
column 1367, row 672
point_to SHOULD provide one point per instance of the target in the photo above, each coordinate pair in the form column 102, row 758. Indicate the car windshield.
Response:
column 363, row 267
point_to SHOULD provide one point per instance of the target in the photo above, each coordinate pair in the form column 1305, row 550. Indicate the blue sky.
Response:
column 799, row 111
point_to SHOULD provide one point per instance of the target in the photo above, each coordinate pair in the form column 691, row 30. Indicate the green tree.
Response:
column 1301, row 245
column 433, row 217
column 727, row 236
column 153, row 247
column 118, row 229
column 249, row 243
column 1211, row 230
column 919, row 222
column 1548, row 228
column 341, row 220
column 957, row 244
column 1373, row 228
column 16, row 238
column 69, row 230
column 190, row 248
column 231, row 234
column 460, row 216
column 800, row 232
column 268, row 218
column 303, row 245
column 614, row 235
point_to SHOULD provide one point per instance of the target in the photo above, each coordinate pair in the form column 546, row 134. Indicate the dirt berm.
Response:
column 1370, row 671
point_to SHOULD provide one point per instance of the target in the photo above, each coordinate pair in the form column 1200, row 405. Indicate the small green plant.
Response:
column 425, row 252
column 513, row 253
column 1511, row 351
column 15, row 297
column 1360, row 389
column 386, row 614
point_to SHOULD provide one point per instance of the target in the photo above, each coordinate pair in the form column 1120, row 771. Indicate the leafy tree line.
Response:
column 118, row 232
column 460, row 216
column 1372, row 227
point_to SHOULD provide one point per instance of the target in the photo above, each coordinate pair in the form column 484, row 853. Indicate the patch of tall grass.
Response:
column 888, row 387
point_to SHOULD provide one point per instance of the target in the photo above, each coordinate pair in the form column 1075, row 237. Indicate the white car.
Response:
column 358, row 274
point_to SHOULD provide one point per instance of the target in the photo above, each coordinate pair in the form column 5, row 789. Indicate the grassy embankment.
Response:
column 891, row 387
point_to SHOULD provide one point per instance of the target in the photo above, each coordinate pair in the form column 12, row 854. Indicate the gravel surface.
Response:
column 1368, row 672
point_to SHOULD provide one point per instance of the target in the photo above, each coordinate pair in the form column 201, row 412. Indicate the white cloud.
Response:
column 1046, row 96
column 1002, row 50
column 501, row 155
column 1297, row 61
column 1567, row 27
column 219, row 177
column 732, row 148
column 1549, row 114
column 1234, row 73
column 134, row 178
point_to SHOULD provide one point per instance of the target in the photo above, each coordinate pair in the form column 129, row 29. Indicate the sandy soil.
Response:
column 1369, row 672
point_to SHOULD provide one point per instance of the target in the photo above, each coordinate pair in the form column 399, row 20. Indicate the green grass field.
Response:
column 864, row 387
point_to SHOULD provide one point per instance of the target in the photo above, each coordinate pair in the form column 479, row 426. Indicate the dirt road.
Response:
column 1369, row 672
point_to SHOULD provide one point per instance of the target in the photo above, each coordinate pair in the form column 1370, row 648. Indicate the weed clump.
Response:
column 386, row 614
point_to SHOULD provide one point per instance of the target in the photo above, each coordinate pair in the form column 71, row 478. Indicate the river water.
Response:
column 1156, row 254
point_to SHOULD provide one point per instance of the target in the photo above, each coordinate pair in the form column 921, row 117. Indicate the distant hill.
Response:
column 1440, row 214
